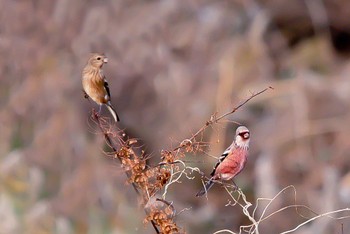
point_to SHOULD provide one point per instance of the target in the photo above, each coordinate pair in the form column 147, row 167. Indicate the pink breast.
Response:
column 232, row 165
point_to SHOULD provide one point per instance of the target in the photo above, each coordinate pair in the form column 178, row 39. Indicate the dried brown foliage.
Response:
column 147, row 180
column 172, row 64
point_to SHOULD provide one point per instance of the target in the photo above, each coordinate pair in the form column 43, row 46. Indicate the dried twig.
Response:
column 215, row 119
column 109, row 141
column 256, row 221
column 147, row 181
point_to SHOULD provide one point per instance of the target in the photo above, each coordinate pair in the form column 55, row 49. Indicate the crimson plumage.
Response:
column 232, row 161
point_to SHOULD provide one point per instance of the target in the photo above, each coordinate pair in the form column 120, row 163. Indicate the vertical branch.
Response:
column 109, row 141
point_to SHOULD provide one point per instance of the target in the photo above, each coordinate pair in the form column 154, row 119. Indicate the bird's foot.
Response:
column 234, row 186
column 202, row 174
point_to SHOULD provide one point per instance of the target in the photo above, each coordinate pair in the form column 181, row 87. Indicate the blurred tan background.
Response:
column 171, row 65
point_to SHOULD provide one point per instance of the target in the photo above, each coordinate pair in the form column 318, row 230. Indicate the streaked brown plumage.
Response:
column 95, row 84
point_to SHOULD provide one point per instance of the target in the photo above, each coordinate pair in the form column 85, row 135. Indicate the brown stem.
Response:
column 109, row 141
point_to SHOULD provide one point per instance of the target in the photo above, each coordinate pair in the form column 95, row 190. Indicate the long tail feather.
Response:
column 113, row 112
column 204, row 190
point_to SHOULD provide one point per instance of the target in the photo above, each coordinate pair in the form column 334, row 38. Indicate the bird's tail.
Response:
column 207, row 186
column 113, row 112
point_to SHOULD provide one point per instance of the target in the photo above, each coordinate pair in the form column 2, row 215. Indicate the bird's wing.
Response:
column 222, row 157
column 106, row 87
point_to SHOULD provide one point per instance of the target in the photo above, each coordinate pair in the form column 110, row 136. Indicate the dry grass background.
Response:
column 171, row 65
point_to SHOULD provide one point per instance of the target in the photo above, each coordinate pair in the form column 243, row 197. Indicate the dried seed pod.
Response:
column 141, row 179
column 169, row 228
column 167, row 157
column 163, row 177
column 139, row 167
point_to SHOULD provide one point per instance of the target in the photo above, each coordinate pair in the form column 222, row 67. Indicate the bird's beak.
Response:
column 105, row 60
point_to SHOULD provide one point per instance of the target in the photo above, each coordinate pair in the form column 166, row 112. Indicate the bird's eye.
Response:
column 244, row 135
column 98, row 58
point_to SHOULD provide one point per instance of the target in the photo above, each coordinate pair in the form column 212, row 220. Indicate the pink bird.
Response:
column 232, row 161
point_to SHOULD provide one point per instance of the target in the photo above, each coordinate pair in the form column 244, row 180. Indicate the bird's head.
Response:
column 242, row 137
column 97, row 60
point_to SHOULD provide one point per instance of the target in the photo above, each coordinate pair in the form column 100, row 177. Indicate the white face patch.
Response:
column 242, row 137
column 241, row 142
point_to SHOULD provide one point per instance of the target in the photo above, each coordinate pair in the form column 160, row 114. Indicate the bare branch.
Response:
column 214, row 119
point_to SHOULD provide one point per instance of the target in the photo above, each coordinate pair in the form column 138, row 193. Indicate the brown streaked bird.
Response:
column 95, row 84
column 232, row 161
